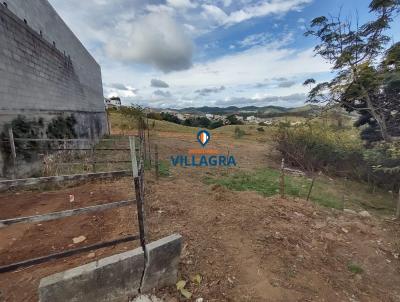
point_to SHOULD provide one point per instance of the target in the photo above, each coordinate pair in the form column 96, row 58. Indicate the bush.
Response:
column 260, row 129
column 315, row 147
column 233, row 120
column 155, row 116
column 239, row 133
column 383, row 159
column 216, row 124
column 170, row 118
column 62, row 128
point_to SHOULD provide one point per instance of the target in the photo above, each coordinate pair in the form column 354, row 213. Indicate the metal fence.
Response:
column 138, row 156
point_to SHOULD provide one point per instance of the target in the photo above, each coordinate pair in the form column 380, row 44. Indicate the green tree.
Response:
column 233, row 120
column 361, row 84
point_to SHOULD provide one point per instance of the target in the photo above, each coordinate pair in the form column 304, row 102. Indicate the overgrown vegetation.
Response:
column 316, row 147
column 62, row 128
column 239, row 133
column 367, row 82
column 23, row 128
column 198, row 122
column 326, row 192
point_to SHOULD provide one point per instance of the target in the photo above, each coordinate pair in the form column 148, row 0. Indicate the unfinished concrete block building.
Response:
column 45, row 71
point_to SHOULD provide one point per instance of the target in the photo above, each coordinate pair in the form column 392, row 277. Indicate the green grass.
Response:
column 163, row 168
column 326, row 192
column 355, row 268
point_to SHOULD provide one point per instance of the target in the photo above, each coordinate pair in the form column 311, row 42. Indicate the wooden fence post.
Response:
column 132, row 147
column 140, row 212
column 148, row 141
column 311, row 187
column 344, row 193
column 92, row 157
column 156, row 161
column 398, row 207
column 282, row 179
column 108, row 122
column 13, row 152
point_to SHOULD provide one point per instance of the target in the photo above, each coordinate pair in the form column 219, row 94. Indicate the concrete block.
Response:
column 115, row 279
column 163, row 258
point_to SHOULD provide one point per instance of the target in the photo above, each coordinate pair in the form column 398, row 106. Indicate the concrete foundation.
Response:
column 162, row 263
column 117, row 278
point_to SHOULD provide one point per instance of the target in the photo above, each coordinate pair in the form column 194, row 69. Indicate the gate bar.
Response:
column 67, row 213
column 27, row 263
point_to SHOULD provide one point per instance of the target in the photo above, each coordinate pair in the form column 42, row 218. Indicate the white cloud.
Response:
column 251, row 66
column 154, row 39
column 214, row 13
column 259, row 9
column 291, row 100
column 181, row 4
column 256, row 39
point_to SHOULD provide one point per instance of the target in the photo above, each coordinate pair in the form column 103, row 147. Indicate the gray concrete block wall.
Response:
column 35, row 75
column 42, row 18
column 117, row 278
column 42, row 80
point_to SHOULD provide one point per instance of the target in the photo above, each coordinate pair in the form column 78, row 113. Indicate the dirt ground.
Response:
column 246, row 247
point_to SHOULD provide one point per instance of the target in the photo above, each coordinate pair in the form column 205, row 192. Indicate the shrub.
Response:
column 315, row 147
column 383, row 159
column 170, row 118
column 62, row 128
column 216, row 124
column 260, row 129
column 233, row 120
column 155, row 116
column 239, row 133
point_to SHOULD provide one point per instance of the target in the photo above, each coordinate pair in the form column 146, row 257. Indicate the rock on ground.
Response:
column 145, row 298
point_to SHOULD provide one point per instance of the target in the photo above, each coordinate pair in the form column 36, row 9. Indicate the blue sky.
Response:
column 181, row 53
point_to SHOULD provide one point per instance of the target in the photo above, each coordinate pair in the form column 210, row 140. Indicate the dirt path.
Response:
column 250, row 248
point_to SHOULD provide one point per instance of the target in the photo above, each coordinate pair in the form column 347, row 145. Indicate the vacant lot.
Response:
column 245, row 242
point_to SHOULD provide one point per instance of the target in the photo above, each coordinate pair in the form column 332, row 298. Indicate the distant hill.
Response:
column 252, row 110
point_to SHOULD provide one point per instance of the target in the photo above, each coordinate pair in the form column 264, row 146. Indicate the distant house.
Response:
column 251, row 119
column 113, row 102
